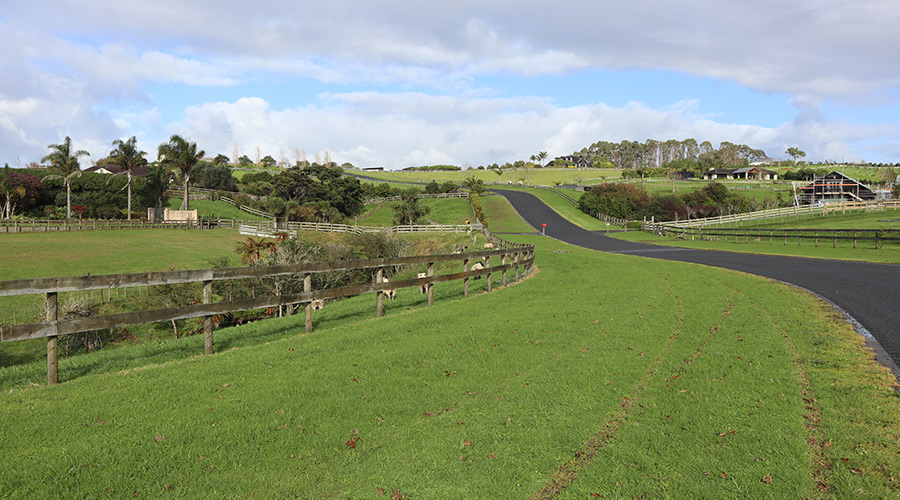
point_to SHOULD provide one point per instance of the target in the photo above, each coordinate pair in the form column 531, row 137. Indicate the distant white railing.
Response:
column 268, row 230
column 776, row 213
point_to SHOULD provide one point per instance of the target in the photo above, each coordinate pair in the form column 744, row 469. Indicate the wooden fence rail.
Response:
column 748, row 235
column 512, row 257
column 270, row 228
column 36, row 226
column 794, row 211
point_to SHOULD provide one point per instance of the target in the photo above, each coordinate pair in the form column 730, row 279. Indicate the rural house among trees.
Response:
column 741, row 173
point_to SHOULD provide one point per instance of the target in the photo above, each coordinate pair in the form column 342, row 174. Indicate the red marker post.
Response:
column 544, row 229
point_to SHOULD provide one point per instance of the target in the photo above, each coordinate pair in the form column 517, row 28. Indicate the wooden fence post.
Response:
column 207, row 320
column 503, row 263
column 516, row 260
column 430, row 285
column 487, row 265
column 307, row 287
column 379, row 300
column 52, row 340
column 466, row 280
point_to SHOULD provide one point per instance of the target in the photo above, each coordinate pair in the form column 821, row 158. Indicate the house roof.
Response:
column 115, row 169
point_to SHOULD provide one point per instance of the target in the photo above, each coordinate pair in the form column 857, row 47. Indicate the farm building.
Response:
column 835, row 187
column 741, row 173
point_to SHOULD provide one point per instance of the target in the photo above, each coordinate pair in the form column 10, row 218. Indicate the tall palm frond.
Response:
column 128, row 156
column 182, row 155
column 63, row 159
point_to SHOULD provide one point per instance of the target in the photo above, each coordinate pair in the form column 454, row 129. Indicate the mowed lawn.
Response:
column 42, row 255
column 113, row 251
column 440, row 211
column 600, row 376
column 538, row 176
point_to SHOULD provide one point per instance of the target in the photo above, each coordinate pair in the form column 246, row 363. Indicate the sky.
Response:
column 399, row 83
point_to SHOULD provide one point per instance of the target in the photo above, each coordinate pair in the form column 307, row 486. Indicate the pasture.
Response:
column 600, row 376
column 888, row 253
column 602, row 381
column 209, row 209
column 537, row 176
column 441, row 211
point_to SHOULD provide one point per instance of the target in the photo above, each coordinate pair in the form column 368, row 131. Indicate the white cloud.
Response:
column 403, row 129
column 824, row 47
column 82, row 69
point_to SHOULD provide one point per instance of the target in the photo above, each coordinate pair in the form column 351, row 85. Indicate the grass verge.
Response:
column 502, row 217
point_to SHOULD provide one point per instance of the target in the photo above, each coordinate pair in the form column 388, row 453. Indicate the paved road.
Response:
column 869, row 293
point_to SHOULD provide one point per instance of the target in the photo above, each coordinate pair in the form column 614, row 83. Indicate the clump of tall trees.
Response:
column 308, row 191
column 687, row 154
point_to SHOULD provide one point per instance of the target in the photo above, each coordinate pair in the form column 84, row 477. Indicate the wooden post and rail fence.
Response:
column 512, row 258
column 41, row 226
column 790, row 212
column 760, row 235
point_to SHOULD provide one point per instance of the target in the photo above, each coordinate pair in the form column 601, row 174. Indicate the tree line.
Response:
column 307, row 191
column 675, row 153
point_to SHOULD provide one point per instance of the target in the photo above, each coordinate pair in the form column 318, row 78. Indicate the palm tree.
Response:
column 128, row 156
column 541, row 157
column 182, row 155
column 157, row 183
column 63, row 159
column 251, row 250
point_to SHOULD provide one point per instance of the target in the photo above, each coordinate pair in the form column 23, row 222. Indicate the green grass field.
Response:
column 865, row 251
column 501, row 217
column 888, row 219
column 756, row 190
column 40, row 255
column 613, row 376
column 888, row 253
column 441, row 211
column 554, row 198
column 215, row 209
column 608, row 380
column 538, row 176
column 113, row 251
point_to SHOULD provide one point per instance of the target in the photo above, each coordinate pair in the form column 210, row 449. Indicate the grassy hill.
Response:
column 609, row 375
column 215, row 209
column 539, row 176
column 441, row 211
column 606, row 379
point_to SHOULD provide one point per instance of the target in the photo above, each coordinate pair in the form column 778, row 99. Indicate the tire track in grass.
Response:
column 585, row 456
column 815, row 435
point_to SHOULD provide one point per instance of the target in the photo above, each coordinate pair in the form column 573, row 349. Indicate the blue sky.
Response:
column 403, row 82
